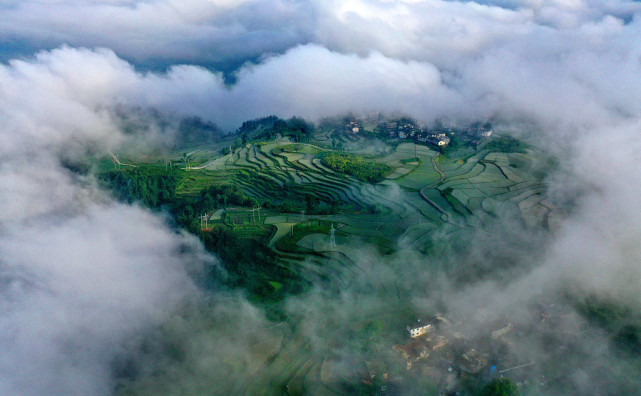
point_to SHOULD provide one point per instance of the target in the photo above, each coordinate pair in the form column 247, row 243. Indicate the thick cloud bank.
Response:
column 74, row 289
column 80, row 275
column 558, row 62
column 230, row 32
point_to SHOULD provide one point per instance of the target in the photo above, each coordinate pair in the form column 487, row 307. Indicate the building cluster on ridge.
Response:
column 438, row 136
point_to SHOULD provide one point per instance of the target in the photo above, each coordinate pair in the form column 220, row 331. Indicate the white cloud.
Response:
column 75, row 289
column 225, row 33
column 81, row 273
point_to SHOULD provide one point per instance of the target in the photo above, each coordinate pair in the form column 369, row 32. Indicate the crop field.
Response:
column 424, row 192
column 434, row 189
column 321, row 224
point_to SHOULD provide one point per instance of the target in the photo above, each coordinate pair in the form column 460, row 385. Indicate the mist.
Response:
column 82, row 275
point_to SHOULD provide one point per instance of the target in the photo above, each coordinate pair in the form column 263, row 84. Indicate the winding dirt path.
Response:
column 434, row 204
column 424, row 196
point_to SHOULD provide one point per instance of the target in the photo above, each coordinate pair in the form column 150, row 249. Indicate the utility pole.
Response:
column 253, row 210
column 115, row 160
column 302, row 214
column 332, row 237
column 230, row 159
column 203, row 218
column 257, row 208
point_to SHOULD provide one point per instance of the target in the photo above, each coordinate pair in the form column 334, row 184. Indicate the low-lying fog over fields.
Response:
column 103, row 295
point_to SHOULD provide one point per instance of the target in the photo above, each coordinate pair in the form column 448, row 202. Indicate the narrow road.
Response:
column 434, row 204
column 440, row 172
column 117, row 161
column 424, row 196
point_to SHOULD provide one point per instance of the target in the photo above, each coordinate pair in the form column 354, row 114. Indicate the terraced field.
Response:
column 427, row 193
column 424, row 193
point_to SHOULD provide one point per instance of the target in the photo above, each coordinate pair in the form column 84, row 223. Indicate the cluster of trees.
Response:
column 500, row 387
column 506, row 144
column 155, row 188
column 258, row 124
column 187, row 209
column 621, row 323
column 225, row 194
column 268, row 128
column 195, row 130
column 357, row 166
column 310, row 204
column 250, row 263
column 296, row 128
column 148, row 187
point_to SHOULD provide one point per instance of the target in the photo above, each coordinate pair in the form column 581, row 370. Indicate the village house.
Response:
column 353, row 127
column 418, row 331
column 472, row 361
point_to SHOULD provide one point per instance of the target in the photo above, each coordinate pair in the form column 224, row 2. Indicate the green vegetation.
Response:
column 151, row 187
column 623, row 324
column 357, row 166
column 628, row 339
column 285, row 177
column 288, row 242
column 270, row 127
column 410, row 160
column 251, row 264
column 300, row 148
column 457, row 206
column 602, row 312
column 247, row 261
column 194, row 131
column 500, row 387
column 429, row 208
column 187, row 209
column 506, row 144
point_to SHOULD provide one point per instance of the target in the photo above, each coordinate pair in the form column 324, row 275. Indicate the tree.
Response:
column 500, row 387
